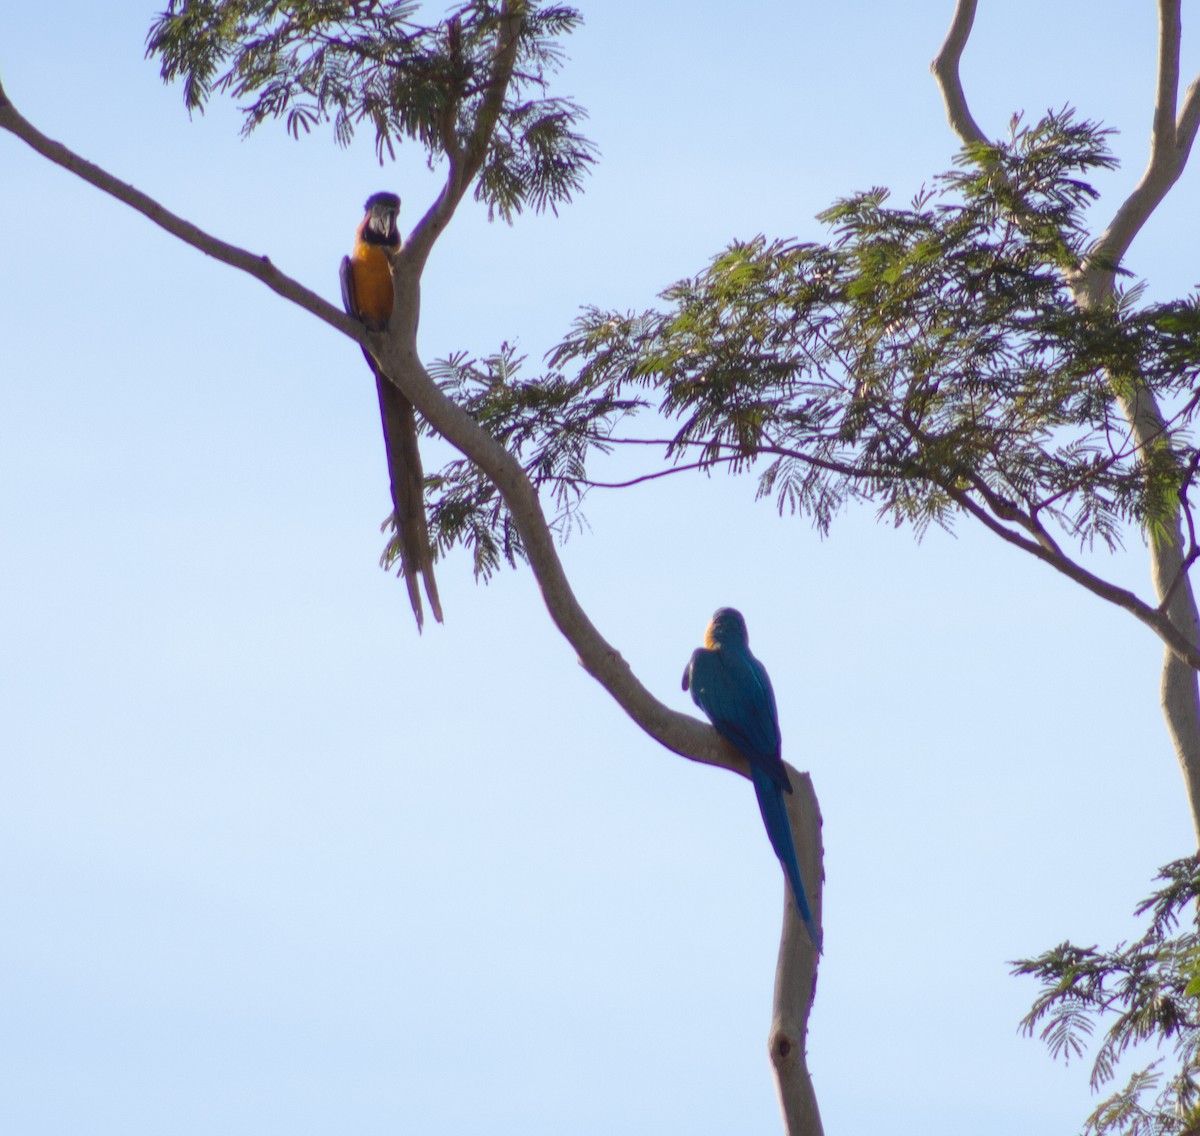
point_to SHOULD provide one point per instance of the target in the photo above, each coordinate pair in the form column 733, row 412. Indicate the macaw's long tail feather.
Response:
column 408, row 496
column 774, row 814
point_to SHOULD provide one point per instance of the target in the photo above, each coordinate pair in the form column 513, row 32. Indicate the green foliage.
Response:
column 929, row 359
column 369, row 62
column 1147, row 993
column 545, row 423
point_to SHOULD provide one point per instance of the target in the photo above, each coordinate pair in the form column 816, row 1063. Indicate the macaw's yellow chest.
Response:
column 372, row 282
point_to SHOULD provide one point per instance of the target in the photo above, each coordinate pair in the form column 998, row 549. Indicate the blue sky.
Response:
column 271, row 862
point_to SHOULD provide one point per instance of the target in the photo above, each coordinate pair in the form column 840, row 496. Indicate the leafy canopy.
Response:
column 1149, row 994
column 929, row 359
column 370, row 63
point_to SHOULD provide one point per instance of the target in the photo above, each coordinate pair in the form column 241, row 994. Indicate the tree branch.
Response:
column 689, row 467
column 1170, row 31
column 1171, row 142
column 1007, row 511
column 449, row 134
column 1038, row 543
column 945, row 68
column 1171, row 139
column 680, row 733
column 260, row 267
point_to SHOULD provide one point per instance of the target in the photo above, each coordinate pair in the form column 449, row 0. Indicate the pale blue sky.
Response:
column 271, row 862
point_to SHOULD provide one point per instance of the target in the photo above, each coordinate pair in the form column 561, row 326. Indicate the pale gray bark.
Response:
column 1173, row 131
column 796, row 972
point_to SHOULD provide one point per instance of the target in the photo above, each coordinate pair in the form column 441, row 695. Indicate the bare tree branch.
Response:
column 678, row 732
column 259, row 267
column 1189, row 119
column 1169, row 34
column 1171, row 138
column 945, row 68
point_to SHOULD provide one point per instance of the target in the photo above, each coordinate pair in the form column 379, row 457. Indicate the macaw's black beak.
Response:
column 383, row 224
column 382, row 210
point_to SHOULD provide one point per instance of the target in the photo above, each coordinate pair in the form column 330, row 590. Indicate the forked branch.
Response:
column 1173, row 132
column 1171, row 138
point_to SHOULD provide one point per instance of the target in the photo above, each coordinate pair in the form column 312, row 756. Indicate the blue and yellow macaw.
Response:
column 366, row 276
column 731, row 686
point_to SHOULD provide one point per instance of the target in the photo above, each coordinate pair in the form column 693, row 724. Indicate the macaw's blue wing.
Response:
column 733, row 690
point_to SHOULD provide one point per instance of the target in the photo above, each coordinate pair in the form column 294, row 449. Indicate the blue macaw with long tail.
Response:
column 731, row 686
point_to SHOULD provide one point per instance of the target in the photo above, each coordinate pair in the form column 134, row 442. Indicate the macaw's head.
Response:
column 379, row 225
column 727, row 628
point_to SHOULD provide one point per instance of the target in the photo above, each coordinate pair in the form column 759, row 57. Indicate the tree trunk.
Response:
column 1174, row 128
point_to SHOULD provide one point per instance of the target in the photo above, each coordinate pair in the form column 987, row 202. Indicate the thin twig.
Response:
column 691, row 466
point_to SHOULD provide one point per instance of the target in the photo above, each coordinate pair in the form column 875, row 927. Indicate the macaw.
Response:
column 732, row 688
column 366, row 276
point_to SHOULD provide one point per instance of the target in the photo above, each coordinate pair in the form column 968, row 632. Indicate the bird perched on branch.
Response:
column 367, row 295
column 732, row 688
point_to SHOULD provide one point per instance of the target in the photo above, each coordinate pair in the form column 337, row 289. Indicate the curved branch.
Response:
column 1170, row 146
column 1171, row 141
column 945, row 68
column 260, row 267
column 680, row 733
